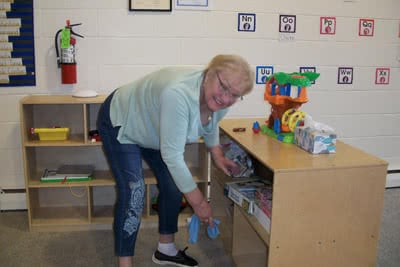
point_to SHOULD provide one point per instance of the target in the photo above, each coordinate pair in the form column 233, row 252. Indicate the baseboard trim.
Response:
column 393, row 179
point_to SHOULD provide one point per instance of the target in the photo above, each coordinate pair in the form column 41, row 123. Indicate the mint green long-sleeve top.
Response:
column 161, row 111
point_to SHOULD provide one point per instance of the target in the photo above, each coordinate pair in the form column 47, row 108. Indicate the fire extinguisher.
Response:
column 66, row 59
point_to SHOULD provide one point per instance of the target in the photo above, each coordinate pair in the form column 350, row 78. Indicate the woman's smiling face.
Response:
column 221, row 90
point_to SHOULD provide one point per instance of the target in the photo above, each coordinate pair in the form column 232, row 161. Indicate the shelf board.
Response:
column 60, row 215
column 104, row 178
column 61, row 99
column 100, row 178
column 38, row 184
column 58, row 221
column 196, row 172
column 101, row 182
column 73, row 140
column 261, row 232
column 101, row 220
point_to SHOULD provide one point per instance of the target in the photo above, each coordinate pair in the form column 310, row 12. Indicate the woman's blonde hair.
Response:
column 235, row 65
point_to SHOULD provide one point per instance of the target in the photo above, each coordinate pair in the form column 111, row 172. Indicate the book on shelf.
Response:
column 262, row 218
column 68, row 173
column 263, row 199
column 243, row 192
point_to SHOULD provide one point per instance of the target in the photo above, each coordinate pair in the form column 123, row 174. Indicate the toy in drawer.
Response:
column 51, row 134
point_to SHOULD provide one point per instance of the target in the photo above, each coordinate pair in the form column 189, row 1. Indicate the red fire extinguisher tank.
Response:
column 66, row 59
column 68, row 67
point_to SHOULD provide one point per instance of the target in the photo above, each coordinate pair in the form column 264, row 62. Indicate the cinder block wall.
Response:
column 120, row 46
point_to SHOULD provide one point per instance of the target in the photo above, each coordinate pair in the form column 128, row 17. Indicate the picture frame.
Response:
column 150, row 5
column 192, row 4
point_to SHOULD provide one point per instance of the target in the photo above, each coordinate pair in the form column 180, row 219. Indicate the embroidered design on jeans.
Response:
column 136, row 204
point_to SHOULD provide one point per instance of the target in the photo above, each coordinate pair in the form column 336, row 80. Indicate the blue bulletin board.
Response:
column 17, row 49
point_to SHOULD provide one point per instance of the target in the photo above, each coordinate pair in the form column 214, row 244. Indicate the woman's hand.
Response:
column 200, row 206
column 204, row 212
column 226, row 165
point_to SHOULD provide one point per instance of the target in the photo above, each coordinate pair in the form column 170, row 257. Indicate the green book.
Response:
column 68, row 173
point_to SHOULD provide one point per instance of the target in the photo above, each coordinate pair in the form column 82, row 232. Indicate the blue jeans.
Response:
column 125, row 161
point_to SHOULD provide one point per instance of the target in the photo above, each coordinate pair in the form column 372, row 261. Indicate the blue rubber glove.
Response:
column 213, row 232
column 194, row 227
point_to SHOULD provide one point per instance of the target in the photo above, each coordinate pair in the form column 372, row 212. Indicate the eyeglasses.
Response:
column 225, row 90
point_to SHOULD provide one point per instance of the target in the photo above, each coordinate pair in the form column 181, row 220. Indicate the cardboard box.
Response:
column 243, row 192
column 314, row 140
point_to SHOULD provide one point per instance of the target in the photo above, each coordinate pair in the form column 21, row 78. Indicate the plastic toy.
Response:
column 94, row 136
column 256, row 127
column 51, row 134
column 286, row 92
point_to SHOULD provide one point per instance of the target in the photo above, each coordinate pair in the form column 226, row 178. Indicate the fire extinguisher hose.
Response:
column 57, row 48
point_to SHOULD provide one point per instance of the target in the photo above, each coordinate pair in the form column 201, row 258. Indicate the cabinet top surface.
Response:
column 277, row 155
column 61, row 99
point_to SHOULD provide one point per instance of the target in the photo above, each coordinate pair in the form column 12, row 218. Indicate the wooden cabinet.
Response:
column 326, row 209
column 87, row 204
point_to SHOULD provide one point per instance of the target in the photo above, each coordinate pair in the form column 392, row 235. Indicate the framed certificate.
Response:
column 150, row 5
column 192, row 4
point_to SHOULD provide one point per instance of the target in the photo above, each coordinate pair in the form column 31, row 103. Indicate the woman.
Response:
column 153, row 119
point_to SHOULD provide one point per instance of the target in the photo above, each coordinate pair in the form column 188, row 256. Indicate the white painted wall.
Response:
column 120, row 46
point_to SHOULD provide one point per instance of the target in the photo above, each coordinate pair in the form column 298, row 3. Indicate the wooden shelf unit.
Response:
column 88, row 204
column 326, row 209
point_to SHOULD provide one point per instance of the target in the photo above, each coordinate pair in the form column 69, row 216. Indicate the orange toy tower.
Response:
column 286, row 92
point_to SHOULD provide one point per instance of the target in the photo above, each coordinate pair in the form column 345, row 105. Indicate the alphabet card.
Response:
column 262, row 73
column 287, row 23
column 345, row 75
column 327, row 25
column 246, row 22
column 366, row 27
column 382, row 75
